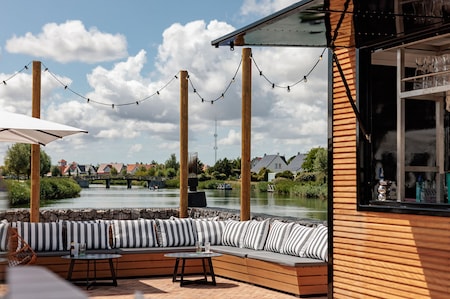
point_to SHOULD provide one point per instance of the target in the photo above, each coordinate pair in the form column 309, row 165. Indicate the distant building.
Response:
column 133, row 168
column 295, row 165
column 274, row 163
column 105, row 168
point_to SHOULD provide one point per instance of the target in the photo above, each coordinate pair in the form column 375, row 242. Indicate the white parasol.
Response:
column 26, row 129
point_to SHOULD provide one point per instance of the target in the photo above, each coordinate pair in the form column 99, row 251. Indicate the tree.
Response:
column 308, row 163
column 321, row 161
column 18, row 160
column 172, row 162
column 56, row 171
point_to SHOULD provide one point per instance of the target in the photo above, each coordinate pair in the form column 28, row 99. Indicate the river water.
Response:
column 97, row 196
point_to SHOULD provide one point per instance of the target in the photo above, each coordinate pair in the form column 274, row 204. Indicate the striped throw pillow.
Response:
column 4, row 226
column 295, row 243
column 209, row 231
column 278, row 234
column 41, row 236
column 94, row 234
column 256, row 234
column 134, row 233
column 175, row 232
column 234, row 233
column 317, row 246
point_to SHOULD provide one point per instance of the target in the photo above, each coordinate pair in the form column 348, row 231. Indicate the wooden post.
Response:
column 35, row 148
column 246, row 132
column 183, row 144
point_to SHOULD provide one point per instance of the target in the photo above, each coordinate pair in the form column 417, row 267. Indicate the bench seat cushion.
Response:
column 283, row 259
column 155, row 250
column 231, row 250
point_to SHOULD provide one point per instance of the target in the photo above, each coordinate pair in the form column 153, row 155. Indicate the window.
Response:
column 405, row 106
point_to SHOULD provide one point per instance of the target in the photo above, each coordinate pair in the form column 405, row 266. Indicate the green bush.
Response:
column 18, row 193
column 50, row 189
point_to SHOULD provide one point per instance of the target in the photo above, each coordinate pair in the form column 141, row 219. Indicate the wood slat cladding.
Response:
column 377, row 255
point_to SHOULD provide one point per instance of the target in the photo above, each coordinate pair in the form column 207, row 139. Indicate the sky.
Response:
column 125, row 57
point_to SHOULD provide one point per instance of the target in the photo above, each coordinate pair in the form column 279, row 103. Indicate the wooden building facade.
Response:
column 389, row 139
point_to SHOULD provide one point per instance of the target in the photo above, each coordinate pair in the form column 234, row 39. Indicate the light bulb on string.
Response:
column 305, row 79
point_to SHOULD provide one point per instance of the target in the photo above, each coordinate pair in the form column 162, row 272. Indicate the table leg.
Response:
column 87, row 275
column 204, row 270
column 175, row 270
column 211, row 269
column 113, row 272
column 182, row 271
column 69, row 274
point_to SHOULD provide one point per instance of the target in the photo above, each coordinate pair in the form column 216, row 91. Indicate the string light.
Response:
column 288, row 87
column 222, row 96
column 16, row 73
column 88, row 100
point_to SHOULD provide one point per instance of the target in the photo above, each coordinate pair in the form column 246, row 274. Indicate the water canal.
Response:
column 98, row 197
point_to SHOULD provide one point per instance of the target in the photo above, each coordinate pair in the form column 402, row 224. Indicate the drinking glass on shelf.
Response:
column 419, row 82
column 428, row 70
column 446, row 67
column 439, row 67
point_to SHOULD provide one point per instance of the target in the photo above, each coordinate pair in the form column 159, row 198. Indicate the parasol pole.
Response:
column 35, row 148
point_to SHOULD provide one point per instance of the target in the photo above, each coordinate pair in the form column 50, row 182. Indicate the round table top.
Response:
column 192, row 255
column 93, row 256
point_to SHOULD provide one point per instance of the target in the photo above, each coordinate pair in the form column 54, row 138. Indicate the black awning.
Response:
column 316, row 23
column 299, row 25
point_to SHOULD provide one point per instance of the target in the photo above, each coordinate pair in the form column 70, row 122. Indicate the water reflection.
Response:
column 118, row 197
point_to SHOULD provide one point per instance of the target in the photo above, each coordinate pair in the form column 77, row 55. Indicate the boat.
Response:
column 224, row 186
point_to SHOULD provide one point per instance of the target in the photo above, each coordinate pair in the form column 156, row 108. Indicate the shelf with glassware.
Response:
column 429, row 180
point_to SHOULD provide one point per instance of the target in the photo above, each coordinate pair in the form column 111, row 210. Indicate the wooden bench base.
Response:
column 304, row 280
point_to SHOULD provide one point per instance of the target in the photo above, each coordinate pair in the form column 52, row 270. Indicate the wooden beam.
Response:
column 183, row 144
column 246, row 132
column 35, row 148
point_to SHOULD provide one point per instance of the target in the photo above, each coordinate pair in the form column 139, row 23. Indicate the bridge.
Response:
column 152, row 182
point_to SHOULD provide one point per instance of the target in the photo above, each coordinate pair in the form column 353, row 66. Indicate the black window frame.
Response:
column 365, row 151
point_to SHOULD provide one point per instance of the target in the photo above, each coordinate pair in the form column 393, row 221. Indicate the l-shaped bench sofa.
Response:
column 285, row 256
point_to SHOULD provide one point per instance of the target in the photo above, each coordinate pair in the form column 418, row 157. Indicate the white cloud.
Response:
column 134, row 149
column 264, row 7
column 233, row 138
column 69, row 42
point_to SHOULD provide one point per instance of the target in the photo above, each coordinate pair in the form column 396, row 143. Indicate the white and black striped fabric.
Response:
column 256, row 234
column 94, row 234
column 175, row 232
column 209, row 231
column 317, row 246
column 298, row 237
column 4, row 226
column 134, row 233
column 234, row 233
column 278, row 234
column 41, row 236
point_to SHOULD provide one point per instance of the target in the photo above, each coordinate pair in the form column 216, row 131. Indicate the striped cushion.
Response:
column 94, row 234
column 175, row 232
column 234, row 233
column 256, row 234
column 295, row 243
column 42, row 236
column 317, row 246
column 134, row 233
column 209, row 231
column 278, row 234
column 4, row 226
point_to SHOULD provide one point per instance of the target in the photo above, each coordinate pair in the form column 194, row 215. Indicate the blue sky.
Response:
column 117, row 53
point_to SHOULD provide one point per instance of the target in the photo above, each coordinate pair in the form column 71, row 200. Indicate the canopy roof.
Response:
column 317, row 23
